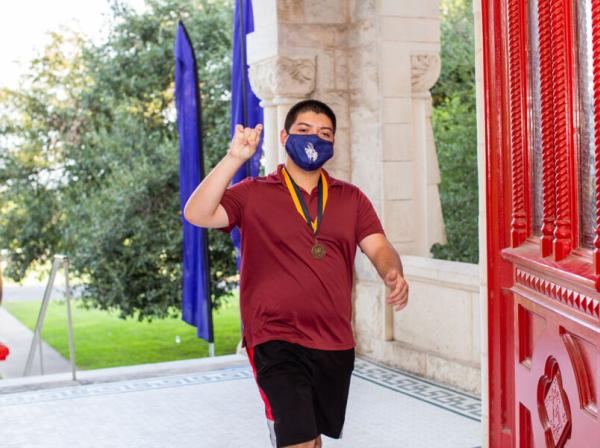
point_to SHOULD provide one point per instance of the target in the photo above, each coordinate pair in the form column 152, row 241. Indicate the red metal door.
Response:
column 542, row 106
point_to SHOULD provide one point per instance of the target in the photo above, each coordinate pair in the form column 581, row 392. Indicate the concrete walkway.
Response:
column 35, row 291
column 17, row 337
column 214, row 402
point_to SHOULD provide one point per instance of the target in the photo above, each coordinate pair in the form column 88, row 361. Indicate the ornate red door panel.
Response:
column 557, row 356
column 542, row 106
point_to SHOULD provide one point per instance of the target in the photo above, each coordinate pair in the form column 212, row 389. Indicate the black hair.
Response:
column 305, row 106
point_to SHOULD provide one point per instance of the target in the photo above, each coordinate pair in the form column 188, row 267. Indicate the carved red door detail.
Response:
column 542, row 130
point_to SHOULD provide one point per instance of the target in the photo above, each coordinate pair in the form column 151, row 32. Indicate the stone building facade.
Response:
column 373, row 62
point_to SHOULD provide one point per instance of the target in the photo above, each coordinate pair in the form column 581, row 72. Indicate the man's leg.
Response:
column 314, row 443
column 285, row 381
column 331, row 384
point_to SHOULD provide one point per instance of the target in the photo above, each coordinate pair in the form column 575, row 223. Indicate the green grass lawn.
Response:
column 102, row 339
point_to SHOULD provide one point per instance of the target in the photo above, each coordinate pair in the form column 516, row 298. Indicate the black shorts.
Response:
column 305, row 389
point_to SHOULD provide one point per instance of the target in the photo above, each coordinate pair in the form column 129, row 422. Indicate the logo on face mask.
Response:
column 311, row 152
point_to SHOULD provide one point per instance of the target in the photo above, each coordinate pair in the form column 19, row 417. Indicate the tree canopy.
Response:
column 89, row 156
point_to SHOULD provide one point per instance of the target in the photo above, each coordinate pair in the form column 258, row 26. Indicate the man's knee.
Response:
column 314, row 443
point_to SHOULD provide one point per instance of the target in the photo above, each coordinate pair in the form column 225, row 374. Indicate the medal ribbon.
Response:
column 301, row 205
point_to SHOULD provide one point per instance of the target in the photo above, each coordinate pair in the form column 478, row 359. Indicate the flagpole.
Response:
column 244, row 78
column 209, row 304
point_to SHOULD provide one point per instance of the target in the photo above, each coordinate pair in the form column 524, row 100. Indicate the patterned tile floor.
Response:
column 222, row 408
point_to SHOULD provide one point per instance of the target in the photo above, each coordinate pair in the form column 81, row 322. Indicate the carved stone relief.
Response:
column 283, row 77
column 425, row 71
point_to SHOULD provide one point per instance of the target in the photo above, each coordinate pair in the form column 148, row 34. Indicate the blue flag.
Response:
column 196, row 302
column 245, row 107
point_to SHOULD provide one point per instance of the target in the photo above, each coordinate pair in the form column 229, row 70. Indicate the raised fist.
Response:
column 244, row 142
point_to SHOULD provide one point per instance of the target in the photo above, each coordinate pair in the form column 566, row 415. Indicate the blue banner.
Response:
column 196, row 301
column 245, row 107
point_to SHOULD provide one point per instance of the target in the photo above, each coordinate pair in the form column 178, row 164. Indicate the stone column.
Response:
column 408, row 41
column 304, row 44
column 280, row 82
column 394, row 48
column 425, row 70
column 368, row 120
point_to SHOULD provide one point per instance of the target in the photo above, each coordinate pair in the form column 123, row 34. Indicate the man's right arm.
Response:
column 203, row 208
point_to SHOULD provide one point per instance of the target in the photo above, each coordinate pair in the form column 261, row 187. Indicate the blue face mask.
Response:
column 309, row 152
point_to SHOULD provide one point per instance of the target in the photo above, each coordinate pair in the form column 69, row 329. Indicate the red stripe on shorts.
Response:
column 268, row 412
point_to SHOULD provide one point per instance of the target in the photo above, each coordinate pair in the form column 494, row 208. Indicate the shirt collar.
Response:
column 276, row 177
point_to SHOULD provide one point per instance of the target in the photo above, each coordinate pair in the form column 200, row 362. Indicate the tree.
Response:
column 89, row 157
column 455, row 131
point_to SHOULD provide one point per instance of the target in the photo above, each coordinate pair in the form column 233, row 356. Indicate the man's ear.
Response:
column 283, row 135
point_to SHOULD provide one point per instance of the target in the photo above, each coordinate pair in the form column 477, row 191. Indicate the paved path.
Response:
column 18, row 338
column 32, row 291
column 222, row 408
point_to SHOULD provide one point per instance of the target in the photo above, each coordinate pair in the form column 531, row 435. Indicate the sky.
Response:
column 24, row 25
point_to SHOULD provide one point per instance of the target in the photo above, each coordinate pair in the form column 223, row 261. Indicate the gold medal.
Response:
column 317, row 251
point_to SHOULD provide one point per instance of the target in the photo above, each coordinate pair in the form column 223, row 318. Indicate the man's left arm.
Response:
column 389, row 267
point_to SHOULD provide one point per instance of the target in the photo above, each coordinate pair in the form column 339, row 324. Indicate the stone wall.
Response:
column 438, row 334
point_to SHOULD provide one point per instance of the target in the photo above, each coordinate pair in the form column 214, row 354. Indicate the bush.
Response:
column 455, row 131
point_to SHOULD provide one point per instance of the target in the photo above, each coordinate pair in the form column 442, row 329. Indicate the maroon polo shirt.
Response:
column 285, row 293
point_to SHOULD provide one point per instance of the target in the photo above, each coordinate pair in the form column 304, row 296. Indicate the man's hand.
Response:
column 399, row 289
column 244, row 142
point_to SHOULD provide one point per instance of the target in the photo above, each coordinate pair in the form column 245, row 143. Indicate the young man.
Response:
column 299, row 231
